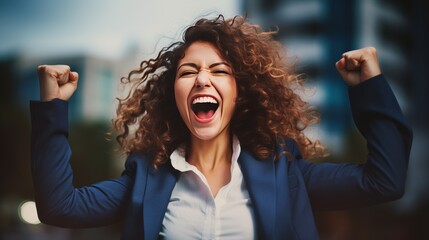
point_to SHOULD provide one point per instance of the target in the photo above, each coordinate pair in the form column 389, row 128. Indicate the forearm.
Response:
column 58, row 202
column 382, row 177
column 380, row 120
column 50, row 154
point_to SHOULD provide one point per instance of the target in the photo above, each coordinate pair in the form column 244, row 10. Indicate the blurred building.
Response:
column 317, row 32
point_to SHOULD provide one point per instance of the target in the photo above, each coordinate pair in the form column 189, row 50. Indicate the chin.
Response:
column 205, row 134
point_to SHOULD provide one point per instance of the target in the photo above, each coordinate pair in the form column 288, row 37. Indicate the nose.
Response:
column 203, row 78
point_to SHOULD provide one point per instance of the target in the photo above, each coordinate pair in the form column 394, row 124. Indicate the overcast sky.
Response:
column 99, row 27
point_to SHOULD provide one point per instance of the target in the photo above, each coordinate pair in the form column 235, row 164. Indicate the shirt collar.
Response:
column 179, row 162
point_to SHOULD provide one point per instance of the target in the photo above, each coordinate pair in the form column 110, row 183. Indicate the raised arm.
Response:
column 58, row 202
column 380, row 120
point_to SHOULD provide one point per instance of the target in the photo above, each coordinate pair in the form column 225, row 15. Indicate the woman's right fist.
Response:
column 56, row 81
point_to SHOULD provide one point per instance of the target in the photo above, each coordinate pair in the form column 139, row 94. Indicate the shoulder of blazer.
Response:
column 138, row 160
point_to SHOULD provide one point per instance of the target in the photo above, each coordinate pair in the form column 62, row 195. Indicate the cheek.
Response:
column 234, row 96
column 229, row 95
column 180, row 95
column 232, row 91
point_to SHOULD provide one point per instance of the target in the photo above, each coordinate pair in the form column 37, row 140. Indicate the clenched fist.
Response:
column 56, row 81
column 358, row 65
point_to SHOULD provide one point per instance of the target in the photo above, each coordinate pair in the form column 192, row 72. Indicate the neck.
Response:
column 207, row 155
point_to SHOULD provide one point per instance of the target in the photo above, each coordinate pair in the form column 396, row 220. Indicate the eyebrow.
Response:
column 196, row 66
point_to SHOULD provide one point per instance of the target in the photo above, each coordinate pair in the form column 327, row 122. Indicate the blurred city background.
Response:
column 104, row 40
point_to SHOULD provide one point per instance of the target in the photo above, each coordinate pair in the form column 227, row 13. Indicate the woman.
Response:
column 218, row 148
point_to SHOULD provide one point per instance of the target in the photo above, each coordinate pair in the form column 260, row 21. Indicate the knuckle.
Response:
column 371, row 50
column 52, row 74
column 41, row 69
column 62, row 69
column 66, row 70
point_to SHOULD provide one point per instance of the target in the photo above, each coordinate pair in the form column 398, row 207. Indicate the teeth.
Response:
column 204, row 100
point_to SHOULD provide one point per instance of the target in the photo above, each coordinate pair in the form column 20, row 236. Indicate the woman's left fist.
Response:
column 358, row 65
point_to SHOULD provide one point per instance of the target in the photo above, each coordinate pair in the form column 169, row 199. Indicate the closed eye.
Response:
column 187, row 73
column 220, row 72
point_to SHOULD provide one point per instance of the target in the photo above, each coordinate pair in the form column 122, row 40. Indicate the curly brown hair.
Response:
column 267, row 110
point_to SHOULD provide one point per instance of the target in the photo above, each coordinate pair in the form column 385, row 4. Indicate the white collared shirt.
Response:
column 193, row 212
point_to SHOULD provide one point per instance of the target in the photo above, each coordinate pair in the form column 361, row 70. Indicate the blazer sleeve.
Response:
column 58, row 202
column 381, row 178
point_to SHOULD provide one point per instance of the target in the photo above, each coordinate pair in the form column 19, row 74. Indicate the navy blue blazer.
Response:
column 284, row 193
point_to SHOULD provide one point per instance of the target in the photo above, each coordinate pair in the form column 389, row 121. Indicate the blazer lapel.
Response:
column 259, row 177
column 159, row 187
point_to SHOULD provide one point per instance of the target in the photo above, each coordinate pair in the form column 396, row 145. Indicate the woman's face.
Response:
column 205, row 91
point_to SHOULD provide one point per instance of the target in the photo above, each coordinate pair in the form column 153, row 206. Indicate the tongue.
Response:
column 205, row 115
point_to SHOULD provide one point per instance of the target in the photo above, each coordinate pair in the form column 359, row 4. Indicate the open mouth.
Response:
column 204, row 107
